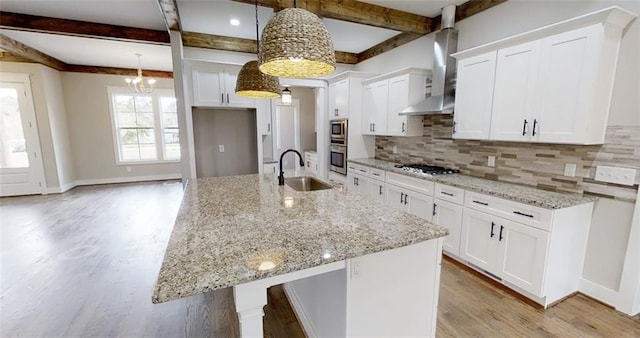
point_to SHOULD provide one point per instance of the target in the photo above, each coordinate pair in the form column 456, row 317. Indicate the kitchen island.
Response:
column 248, row 233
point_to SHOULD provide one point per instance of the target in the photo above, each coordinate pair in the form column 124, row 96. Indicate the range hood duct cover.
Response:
column 442, row 99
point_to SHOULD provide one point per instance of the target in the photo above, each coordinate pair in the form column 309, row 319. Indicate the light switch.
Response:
column 221, row 148
column 570, row 169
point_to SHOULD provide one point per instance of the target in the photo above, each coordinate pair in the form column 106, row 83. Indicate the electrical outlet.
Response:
column 616, row 175
column 221, row 148
column 128, row 169
column 395, row 149
column 491, row 161
column 355, row 269
column 570, row 169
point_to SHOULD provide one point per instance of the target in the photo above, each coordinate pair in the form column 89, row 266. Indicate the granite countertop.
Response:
column 238, row 229
column 510, row 191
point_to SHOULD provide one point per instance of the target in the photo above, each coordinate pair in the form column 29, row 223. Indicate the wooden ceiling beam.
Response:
column 8, row 57
column 356, row 12
column 465, row 10
column 210, row 41
column 17, row 48
column 118, row 71
column 41, row 24
column 388, row 45
column 169, row 10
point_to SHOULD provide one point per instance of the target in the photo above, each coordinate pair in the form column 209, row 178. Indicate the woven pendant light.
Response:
column 295, row 43
column 252, row 82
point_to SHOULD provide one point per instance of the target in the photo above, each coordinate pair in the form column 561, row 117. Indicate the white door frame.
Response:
column 30, row 130
column 295, row 103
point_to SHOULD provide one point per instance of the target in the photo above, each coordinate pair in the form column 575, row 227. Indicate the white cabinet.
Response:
column 214, row 85
column 377, row 190
column 385, row 96
column 447, row 212
column 409, row 194
column 311, row 163
column 270, row 168
column 339, row 99
column 263, row 109
column 552, row 85
column 375, row 100
column 474, row 97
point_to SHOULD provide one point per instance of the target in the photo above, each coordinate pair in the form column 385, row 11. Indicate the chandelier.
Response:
column 137, row 84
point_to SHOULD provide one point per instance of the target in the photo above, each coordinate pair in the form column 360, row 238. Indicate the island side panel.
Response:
column 395, row 292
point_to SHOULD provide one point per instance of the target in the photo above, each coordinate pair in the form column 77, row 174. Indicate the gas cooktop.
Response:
column 424, row 169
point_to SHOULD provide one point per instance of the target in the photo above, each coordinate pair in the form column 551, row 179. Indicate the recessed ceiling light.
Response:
column 234, row 22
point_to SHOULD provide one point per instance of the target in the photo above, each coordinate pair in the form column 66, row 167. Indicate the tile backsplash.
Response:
column 533, row 164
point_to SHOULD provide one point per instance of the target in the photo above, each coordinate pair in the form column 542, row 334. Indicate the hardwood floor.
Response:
column 84, row 264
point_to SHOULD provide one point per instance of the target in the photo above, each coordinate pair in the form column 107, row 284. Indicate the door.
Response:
column 478, row 242
column 21, row 169
column 399, row 92
column 376, row 190
column 419, row 204
column 522, row 255
column 341, row 99
column 449, row 215
column 395, row 197
column 474, row 97
column 230, row 79
column 514, row 96
column 208, row 85
column 375, row 106
column 567, row 64
column 288, row 122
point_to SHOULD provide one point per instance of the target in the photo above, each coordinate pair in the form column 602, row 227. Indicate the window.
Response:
column 145, row 126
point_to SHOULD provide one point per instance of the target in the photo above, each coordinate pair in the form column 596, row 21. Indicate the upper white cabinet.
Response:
column 339, row 99
column 385, row 96
column 551, row 85
column 263, row 109
column 474, row 97
column 214, row 85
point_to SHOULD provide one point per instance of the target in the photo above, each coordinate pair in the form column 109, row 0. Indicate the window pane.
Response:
column 168, row 104
column 145, row 120
column 129, row 152
column 13, row 147
column 170, row 120
column 144, row 104
column 123, row 103
column 126, row 120
column 147, row 144
column 128, row 136
column 171, row 144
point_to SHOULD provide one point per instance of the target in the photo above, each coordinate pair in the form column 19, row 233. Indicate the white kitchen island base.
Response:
column 388, row 293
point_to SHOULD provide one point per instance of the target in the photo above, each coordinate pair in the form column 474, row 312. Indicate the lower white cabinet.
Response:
column 410, row 201
column 377, row 190
column 270, row 168
column 311, row 163
column 449, row 215
column 359, row 183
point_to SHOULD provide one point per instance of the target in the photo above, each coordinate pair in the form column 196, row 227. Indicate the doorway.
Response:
column 21, row 168
column 288, row 122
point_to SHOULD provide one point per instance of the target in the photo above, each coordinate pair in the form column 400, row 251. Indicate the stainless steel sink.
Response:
column 306, row 183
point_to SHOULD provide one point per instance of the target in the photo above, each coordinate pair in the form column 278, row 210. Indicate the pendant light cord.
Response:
column 257, row 31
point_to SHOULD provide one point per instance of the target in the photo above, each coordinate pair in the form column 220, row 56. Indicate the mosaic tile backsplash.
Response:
column 532, row 164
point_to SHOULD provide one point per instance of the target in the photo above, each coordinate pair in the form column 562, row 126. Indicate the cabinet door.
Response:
column 376, row 190
column 339, row 99
column 474, row 97
column 394, row 197
column 263, row 109
column 567, row 68
column 358, row 183
column 231, row 99
column 399, row 92
column 368, row 109
column 522, row 255
column 380, row 93
column 478, row 244
column 514, row 95
column 420, row 205
column 208, row 86
column 449, row 215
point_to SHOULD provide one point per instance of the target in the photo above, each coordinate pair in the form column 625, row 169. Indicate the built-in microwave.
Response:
column 338, row 130
column 338, row 159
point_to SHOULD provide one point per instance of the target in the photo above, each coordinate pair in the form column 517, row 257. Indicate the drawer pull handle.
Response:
column 405, row 198
column 434, row 209
column 374, row 174
column 481, row 203
column 447, row 193
column 401, row 197
column 524, row 128
column 522, row 214
column 492, row 226
column 361, row 170
column 380, row 190
column 500, row 236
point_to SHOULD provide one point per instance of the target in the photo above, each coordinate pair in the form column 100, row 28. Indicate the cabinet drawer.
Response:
column 522, row 213
column 411, row 183
column 377, row 174
column 358, row 169
column 449, row 193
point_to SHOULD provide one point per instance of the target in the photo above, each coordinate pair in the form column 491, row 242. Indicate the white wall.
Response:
column 610, row 229
column 307, row 116
column 91, row 135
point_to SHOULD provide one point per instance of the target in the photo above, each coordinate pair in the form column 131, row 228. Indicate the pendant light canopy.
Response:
column 295, row 43
column 252, row 82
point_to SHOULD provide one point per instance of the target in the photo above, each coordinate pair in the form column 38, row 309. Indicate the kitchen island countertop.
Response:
column 238, row 229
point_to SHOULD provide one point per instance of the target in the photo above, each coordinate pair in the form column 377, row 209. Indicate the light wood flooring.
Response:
column 84, row 264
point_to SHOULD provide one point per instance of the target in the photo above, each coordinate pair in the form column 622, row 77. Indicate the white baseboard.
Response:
column 599, row 292
column 60, row 189
column 298, row 309
column 128, row 179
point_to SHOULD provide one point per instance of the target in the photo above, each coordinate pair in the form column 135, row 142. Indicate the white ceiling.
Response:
column 204, row 16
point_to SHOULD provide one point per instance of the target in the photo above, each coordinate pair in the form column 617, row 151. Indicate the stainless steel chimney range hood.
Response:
column 442, row 99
